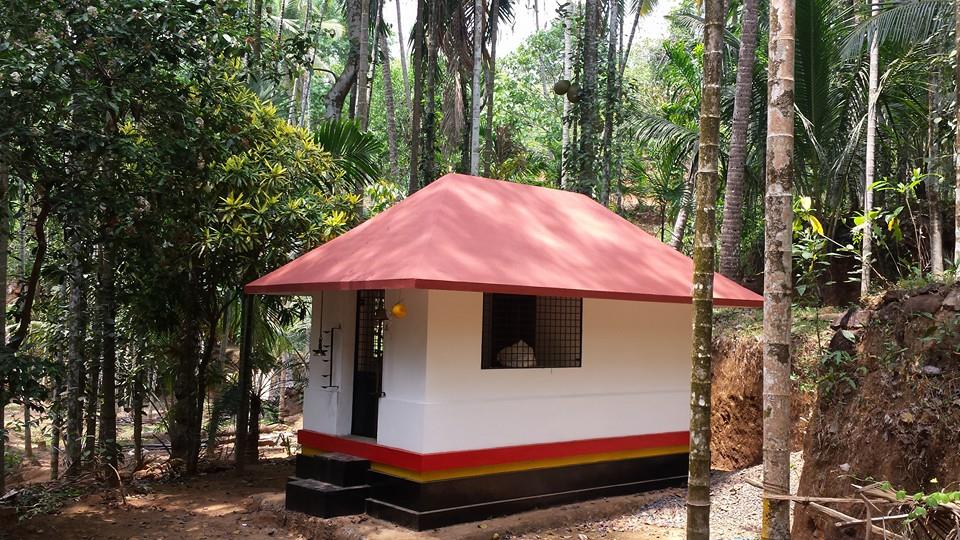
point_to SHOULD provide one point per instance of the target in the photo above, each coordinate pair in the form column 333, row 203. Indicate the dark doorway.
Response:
column 368, row 362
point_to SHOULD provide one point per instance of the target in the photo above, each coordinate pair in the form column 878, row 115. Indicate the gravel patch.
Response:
column 735, row 513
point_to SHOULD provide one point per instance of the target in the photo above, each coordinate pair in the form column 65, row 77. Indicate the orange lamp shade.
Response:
column 399, row 310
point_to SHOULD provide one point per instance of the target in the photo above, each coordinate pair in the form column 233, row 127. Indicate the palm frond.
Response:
column 355, row 152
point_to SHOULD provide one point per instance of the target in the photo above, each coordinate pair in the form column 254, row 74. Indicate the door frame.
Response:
column 368, row 362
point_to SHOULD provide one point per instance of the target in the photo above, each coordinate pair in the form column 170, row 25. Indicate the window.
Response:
column 522, row 331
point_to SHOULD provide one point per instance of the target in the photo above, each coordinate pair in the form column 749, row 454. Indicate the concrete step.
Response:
column 334, row 468
column 323, row 499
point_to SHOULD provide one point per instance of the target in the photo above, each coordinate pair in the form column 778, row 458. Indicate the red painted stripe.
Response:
column 440, row 461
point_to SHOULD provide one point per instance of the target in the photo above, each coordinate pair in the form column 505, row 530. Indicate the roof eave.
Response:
column 304, row 289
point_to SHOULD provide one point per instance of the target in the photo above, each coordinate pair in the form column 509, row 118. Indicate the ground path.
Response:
column 226, row 505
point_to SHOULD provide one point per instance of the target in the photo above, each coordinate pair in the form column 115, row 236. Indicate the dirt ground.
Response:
column 227, row 505
column 210, row 506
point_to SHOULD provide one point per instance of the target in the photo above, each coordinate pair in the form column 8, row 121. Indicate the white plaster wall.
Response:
column 634, row 378
column 400, row 420
column 328, row 410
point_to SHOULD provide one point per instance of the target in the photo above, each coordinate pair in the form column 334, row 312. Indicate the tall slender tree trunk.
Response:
column 956, row 140
column 306, row 79
column 136, row 406
column 108, row 404
column 778, row 271
column 363, row 68
column 92, row 392
column 612, row 94
column 56, row 423
column 540, row 62
column 870, row 162
column 565, row 146
column 252, row 448
column 403, row 57
column 587, row 181
column 736, row 170
column 391, row 111
column 245, row 375
column 182, row 416
column 704, row 247
column 22, row 246
column 419, row 70
column 429, row 128
column 494, row 19
column 4, row 246
column 374, row 55
column 625, row 53
column 475, row 88
column 686, row 200
column 77, row 325
column 932, row 181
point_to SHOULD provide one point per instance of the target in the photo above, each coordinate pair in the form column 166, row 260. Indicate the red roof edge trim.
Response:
column 309, row 288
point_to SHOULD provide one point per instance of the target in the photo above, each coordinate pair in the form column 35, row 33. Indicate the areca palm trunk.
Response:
column 704, row 246
column 391, row 112
column 306, row 79
column 494, row 18
column 686, row 198
column 931, row 183
column 587, row 180
column 565, row 149
column 733, row 194
column 363, row 63
column 475, row 88
column 374, row 55
column 419, row 68
column 608, row 121
column 778, row 271
column 956, row 141
column 870, row 163
column 428, row 141
column 403, row 58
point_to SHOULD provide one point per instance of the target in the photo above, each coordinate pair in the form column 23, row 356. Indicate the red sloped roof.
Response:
column 466, row 233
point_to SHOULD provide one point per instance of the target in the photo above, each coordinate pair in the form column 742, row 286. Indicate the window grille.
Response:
column 521, row 331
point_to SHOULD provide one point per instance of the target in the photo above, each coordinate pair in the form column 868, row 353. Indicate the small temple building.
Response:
column 486, row 347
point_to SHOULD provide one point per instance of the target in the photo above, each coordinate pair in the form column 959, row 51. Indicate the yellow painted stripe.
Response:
column 432, row 476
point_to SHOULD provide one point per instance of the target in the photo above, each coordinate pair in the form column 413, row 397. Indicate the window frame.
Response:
column 561, row 320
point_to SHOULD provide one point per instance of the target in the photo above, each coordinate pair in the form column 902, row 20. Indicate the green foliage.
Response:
column 355, row 153
column 527, row 121
column 838, row 371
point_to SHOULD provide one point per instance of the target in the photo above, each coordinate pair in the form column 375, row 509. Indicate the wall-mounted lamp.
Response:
column 399, row 310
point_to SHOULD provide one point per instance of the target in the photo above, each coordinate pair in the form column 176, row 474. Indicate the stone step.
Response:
column 333, row 468
column 323, row 499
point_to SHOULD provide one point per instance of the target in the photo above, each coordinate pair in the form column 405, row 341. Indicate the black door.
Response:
column 368, row 362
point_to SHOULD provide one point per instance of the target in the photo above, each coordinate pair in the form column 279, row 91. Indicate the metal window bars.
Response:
column 522, row 331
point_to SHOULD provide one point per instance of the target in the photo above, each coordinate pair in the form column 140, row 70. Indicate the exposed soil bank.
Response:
column 737, row 395
column 889, row 403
